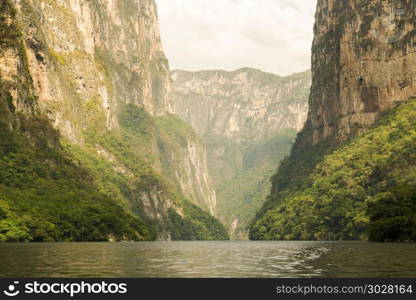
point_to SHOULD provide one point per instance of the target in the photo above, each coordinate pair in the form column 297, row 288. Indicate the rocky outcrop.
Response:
column 363, row 61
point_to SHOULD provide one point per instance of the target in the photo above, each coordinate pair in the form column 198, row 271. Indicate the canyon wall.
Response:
column 341, row 177
column 96, row 69
column 363, row 62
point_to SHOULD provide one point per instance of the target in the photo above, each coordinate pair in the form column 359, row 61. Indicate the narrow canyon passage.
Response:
column 248, row 120
column 173, row 138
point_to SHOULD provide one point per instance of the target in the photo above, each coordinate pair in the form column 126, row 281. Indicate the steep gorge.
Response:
column 95, row 71
column 248, row 120
column 350, row 174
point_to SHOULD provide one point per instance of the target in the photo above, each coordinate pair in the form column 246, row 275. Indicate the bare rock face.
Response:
column 246, row 105
column 242, row 117
column 233, row 110
column 193, row 175
column 15, row 80
column 363, row 61
column 95, row 52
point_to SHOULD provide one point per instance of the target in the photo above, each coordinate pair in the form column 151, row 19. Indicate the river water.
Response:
column 208, row 259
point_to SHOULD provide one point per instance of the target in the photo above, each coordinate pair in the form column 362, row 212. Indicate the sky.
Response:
column 271, row 35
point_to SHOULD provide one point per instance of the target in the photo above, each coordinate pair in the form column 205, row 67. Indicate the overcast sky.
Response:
column 271, row 35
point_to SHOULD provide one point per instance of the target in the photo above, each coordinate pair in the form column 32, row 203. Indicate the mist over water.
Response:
column 208, row 259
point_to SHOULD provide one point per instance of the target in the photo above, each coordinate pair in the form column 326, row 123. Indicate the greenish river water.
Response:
column 208, row 259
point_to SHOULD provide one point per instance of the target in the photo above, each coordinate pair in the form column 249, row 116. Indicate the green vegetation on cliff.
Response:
column 131, row 162
column 241, row 197
column 45, row 196
column 241, row 117
column 106, row 177
column 48, row 193
column 195, row 225
column 365, row 189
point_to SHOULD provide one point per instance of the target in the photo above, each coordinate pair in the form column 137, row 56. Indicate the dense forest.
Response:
column 366, row 189
column 54, row 192
column 245, row 194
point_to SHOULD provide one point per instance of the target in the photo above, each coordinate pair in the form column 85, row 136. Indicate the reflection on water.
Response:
column 208, row 259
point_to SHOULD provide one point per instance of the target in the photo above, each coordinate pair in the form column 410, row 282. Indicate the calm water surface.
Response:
column 208, row 259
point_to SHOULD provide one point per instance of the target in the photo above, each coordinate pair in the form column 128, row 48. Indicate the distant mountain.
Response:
column 248, row 120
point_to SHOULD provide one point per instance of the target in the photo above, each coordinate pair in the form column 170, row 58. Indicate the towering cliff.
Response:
column 248, row 120
column 363, row 59
column 363, row 65
column 97, row 72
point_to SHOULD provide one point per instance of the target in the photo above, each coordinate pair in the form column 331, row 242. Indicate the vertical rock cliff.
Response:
column 363, row 62
column 97, row 70
column 108, row 52
column 247, row 119
column 341, row 177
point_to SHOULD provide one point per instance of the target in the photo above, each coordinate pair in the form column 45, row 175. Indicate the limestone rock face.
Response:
column 80, row 62
column 233, row 110
column 363, row 61
column 193, row 175
column 106, row 52
column 246, row 105
column 240, row 116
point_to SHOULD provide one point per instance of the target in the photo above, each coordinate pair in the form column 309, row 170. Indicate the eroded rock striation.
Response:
column 247, row 119
column 243, row 107
column 363, row 62
column 97, row 70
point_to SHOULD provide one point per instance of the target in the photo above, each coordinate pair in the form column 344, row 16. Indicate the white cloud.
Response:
column 272, row 35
